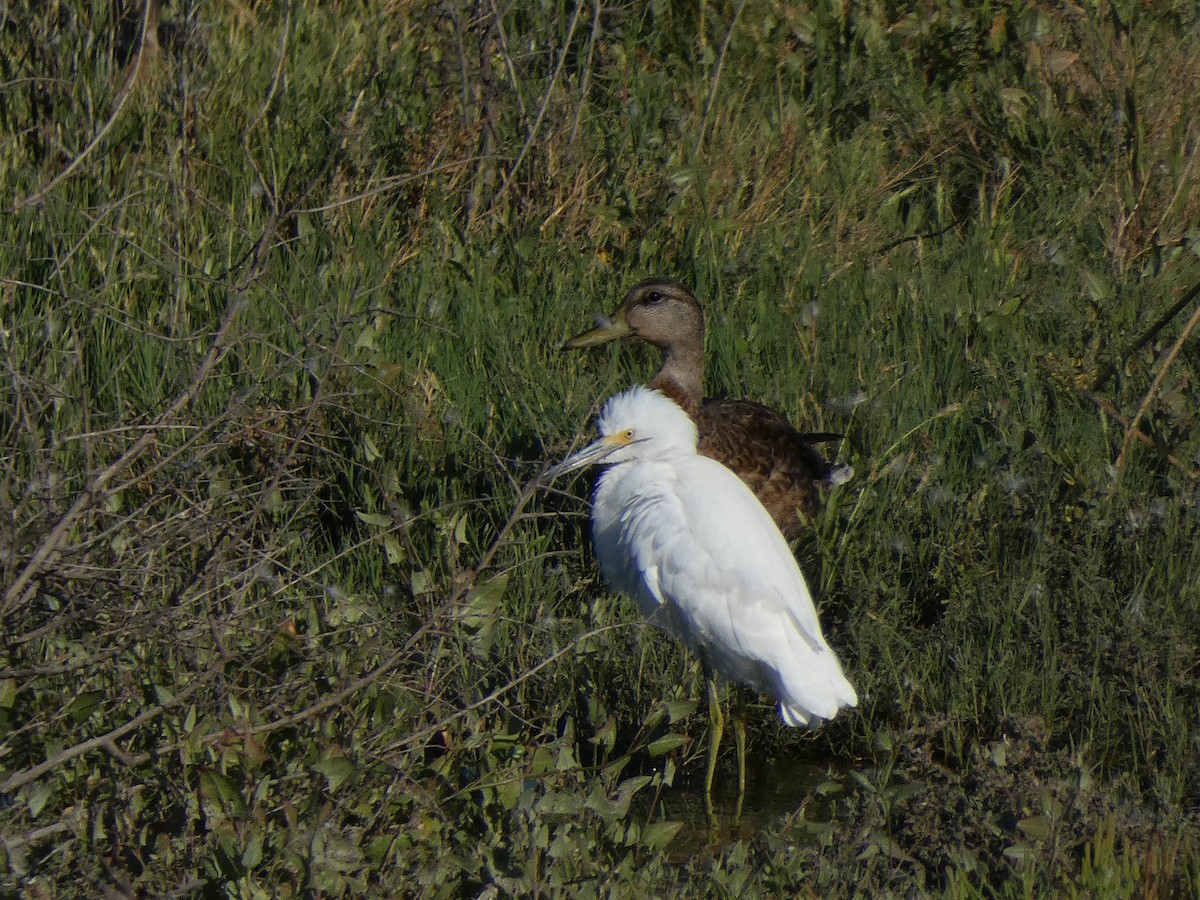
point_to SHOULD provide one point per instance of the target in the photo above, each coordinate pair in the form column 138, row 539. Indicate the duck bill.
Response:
column 610, row 329
column 593, row 453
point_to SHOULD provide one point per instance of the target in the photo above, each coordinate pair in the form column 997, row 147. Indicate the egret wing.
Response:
column 741, row 539
column 707, row 564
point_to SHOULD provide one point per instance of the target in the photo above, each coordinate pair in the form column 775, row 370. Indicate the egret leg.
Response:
column 716, row 725
column 739, row 738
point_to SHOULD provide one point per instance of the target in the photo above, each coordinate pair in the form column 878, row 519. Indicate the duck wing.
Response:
column 779, row 464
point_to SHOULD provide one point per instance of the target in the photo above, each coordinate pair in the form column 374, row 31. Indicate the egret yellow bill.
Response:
column 780, row 464
column 686, row 538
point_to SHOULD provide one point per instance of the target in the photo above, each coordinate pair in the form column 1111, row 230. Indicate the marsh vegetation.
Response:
column 281, row 287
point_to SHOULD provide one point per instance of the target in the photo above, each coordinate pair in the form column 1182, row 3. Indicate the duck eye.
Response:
column 654, row 297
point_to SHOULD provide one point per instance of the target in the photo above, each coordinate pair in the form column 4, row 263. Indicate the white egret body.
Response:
column 705, row 561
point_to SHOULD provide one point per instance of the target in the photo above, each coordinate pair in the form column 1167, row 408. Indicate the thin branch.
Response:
column 98, row 485
column 593, row 37
column 131, row 79
column 543, row 106
column 1105, row 406
column 1111, row 369
column 433, row 728
column 1153, row 392
column 712, row 91
column 106, row 741
column 395, row 181
column 335, row 699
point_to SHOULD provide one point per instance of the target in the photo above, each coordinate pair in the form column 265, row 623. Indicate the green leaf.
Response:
column 1035, row 827
column 366, row 340
column 827, row 788
column 899, row 792
column 998, row 751
column 658, row 834
column 507, row 792
column 84, row 705
column 41, row 793
column 253, row 854
column 377, row 850
column 679, row 709
column 1098, row 288
column 221, row 792
column 379, row 520
column 1011, row 306
column 606, row 735
column 560, row 803
column 370, row 450
column 336, row 770
column 1020, row 852
column 666, row 744
column 392, row 549
column 483, row 601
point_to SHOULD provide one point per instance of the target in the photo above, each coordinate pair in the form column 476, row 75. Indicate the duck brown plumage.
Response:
column 779, row 464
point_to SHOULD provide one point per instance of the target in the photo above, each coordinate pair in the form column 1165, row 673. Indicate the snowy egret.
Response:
column 777, row 462
column 692, row 545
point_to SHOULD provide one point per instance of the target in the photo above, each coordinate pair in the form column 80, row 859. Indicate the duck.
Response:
column 692, row 545
column 780, row 464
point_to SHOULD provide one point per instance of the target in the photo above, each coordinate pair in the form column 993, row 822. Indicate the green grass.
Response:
column 283, row 611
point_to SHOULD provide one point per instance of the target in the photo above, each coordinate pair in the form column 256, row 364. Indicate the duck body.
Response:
column 778, row 463
column 690, row 542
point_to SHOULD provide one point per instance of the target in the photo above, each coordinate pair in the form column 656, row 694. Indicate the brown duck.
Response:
column 778, row 463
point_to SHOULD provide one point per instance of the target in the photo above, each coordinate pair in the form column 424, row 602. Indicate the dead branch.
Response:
column 1158, row 380
column 1108, row 371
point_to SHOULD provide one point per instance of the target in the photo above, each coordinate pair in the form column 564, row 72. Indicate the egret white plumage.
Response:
column 688, row 540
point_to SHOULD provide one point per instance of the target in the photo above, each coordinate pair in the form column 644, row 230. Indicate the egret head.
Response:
column 638, row 424
column 660, row 312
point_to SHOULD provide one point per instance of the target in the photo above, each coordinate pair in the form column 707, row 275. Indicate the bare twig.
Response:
column 106, row 741
column 1153, row 391
column 337, row 698
column 1110, row 370
column 393, row 182
column 96, row 488
column 1105, row 406
column 716, row 80
column 543, row 106
column 593, row 37
column 14, row 847
column 126, row 90
column 433, row 728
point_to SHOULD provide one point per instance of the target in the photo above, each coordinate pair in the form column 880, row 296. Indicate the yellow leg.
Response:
column 739, row 737
column 716, row 725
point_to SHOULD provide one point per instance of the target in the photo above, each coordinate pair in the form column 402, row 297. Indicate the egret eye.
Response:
column 628, row 434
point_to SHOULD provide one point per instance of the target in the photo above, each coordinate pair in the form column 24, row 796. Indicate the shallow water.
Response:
column 776, row 790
